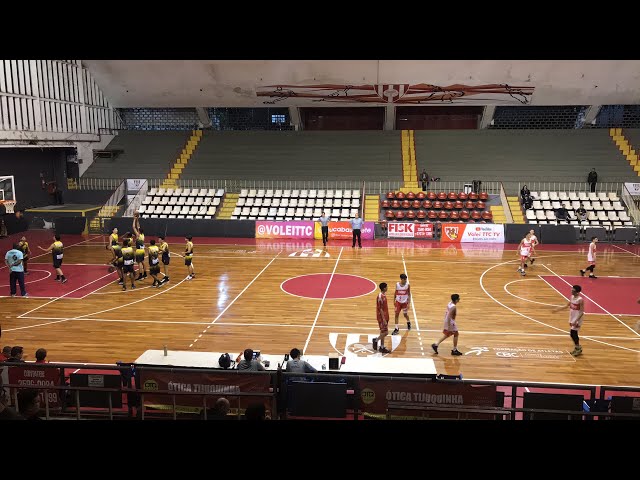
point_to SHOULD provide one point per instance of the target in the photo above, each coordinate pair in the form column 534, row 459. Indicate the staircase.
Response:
column 409, row 167
column 516, row 210
column 498, row 214
column 372, row 208
column 183, row 160
column 625, row 148
column 228, row 205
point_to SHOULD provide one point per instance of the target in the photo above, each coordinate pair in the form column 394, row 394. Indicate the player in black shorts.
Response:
column 154, row 263
column 188, row 257
column 57, row 250
column 128, row 257
column 139, row 254
column 166, row 257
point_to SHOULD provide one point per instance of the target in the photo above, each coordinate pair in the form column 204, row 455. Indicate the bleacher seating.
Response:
column 603, row 209
column 283, row 204
column 194, row 203
column 431, row 206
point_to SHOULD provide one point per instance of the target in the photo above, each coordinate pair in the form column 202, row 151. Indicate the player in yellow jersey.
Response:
column 166, row 258
column 188, row 257
column 117, row 261
column 142, row 271
column 154, row 263
column 57, row 250
column 23, row 246
column 128, row 257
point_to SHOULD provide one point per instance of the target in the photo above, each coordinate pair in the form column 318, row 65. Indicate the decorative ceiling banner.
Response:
column 419, row 94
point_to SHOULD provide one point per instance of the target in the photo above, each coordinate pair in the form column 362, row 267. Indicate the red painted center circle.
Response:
column 314, row 285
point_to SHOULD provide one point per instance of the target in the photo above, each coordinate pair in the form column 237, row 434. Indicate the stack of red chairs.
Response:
column 441, row 206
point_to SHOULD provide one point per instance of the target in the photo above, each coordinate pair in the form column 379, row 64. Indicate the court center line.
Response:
column 594, row 302
column 533, row 319
column 238, row 296
column 62, row 296
column 413, row 307
column 306, row 344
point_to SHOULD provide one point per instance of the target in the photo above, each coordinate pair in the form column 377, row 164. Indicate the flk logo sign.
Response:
column 409, row 230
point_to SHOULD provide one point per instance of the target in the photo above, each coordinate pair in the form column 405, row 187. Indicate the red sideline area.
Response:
column 616, row 295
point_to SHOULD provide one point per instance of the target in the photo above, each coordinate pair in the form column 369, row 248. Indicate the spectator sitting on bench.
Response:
column 562, row 214
column 582, row 213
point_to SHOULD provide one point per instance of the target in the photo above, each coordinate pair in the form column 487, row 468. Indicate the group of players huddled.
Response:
column 132, row 251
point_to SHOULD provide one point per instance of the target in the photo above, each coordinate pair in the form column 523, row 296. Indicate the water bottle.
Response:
column 165, row 351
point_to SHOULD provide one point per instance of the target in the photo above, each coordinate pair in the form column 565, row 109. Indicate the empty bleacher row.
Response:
column 181, row 203
column 452, row 206
column 281, row 205
column 603, row 209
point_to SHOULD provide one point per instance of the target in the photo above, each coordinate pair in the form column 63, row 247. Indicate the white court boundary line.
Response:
column 413, row 307
column 595, row 303
column 306, row 344
column 526, row 299
column 210, row 324
column 533, row 319
column 34, row 281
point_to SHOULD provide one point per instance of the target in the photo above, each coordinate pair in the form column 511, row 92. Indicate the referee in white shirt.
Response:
column 356, row 225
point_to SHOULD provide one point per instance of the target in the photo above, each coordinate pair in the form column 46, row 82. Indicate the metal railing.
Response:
column 98, row 183
column 136, row 201
column 564, row 186
column 505, row 204
column 634, row 213
column 382, row 187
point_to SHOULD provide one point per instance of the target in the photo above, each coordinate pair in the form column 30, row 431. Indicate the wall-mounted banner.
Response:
column 472, row 232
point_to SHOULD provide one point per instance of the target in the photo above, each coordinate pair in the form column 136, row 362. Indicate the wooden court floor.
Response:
column 508, row 330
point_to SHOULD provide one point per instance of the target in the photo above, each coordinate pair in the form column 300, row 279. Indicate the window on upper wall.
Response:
column 277, row 118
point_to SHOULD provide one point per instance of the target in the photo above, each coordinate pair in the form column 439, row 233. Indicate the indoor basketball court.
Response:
column 274, row 295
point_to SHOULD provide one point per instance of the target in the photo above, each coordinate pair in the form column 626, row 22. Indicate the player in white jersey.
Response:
column 524, row 250
column 534, row 244
column 450, row 328
column 402, row 297
column 576, row 314
column 591, row 258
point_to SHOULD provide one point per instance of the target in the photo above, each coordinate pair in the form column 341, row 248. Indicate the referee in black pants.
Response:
column 324, row 222
column 356, row 225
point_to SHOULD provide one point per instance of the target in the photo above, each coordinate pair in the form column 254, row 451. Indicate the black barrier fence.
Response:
column 177, row 227
column 513, row 233
column 70, row 225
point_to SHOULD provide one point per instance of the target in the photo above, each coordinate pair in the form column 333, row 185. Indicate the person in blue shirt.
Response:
column 13, row 260
column 356, row 225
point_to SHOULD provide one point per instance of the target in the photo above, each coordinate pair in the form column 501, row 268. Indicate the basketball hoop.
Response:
column 8, row 205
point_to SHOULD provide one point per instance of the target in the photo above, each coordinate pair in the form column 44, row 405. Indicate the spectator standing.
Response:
column 424, row 178
column 13, row 260
column 356, row 225
column 592, row 179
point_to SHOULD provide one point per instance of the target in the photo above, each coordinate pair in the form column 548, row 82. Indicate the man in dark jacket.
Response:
column 592, row 179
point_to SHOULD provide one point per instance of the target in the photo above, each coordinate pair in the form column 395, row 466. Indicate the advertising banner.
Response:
column 135, row 184
column 38, row 377
column 214, row 384
column 403, row 398
column 472, row 232
column 409, row 230
column 284, row 229
column 634, row 188
column 343, row 231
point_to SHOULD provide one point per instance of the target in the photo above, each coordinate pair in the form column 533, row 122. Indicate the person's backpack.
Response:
column 224, row 361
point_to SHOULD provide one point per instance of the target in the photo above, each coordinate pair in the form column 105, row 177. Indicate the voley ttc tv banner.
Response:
column 470, row 232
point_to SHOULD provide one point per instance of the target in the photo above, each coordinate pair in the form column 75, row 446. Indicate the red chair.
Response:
column 406, row 204
column 432, row 215
column 484, row 196
column 431, row 196
column 448, row 205
column 411, row 195
column 480, row 205
column 385, row 204
column 427, row 204
column 476, row 215
column 399, row 215
column 462, row 196
column 464, row 215
column 454, row 215
column 421, row 196
column 458, row 205
column 390, row 215
column 411, row 215
column 400, row 195
column 452, row 196
column 442, row 196
column 422, row 214
column 391, row 195
column 470, row 205
column 395, row 204
column 443, row 215
column 473, row 196
column 437, row 204
column 487, row 215
column 415, row 204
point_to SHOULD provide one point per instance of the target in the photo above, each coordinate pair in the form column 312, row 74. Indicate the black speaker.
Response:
column 334, row 363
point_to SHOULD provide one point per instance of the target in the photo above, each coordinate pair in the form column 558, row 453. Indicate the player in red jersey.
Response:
column 382, row 314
